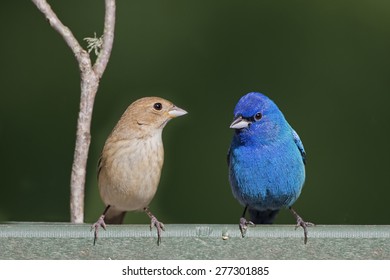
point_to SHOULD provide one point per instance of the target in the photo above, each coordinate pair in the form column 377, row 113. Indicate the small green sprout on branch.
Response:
column 94, row 44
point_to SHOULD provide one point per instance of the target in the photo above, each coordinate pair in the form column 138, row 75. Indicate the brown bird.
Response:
column 130, row 165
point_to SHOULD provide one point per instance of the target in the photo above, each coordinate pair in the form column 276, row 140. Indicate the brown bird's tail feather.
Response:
column 114, row 216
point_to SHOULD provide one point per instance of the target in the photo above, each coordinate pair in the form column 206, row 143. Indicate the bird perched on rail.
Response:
column 266, row 161
column 130, row 165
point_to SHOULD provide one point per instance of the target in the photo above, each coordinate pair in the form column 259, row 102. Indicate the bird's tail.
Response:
column 114, row 216
column 263, row 217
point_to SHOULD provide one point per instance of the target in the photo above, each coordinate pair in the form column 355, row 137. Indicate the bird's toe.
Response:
column 99, row 223
column 244, row 226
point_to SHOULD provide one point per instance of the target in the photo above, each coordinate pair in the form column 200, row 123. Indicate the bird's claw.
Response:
column 99, row 223
column 159, row 226
column 304, row 225
column 244, row 225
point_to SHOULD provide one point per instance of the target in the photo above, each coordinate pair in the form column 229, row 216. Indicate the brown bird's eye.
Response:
column 258, row 116
column 157, row 106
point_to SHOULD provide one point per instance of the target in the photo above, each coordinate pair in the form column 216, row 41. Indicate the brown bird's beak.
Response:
column 176, row 112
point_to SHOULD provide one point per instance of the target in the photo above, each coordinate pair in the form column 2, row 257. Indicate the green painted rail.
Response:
column 69, row 241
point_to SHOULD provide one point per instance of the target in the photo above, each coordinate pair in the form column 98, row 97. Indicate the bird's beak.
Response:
column 239, row 123
column 176, row 112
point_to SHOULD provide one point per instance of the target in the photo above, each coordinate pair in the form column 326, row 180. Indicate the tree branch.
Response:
column 90, row 77
column 108, row 38
column 81, row 55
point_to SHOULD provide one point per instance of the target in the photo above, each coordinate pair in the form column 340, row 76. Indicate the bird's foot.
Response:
column 244, row 225
column 155, row 223
column 302, row 223
column 99, row 223
column 159, row 226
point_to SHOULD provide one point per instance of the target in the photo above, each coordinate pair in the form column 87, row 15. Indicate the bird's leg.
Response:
column 99, row 223
column 155, row 223
column 301, row 223
column 244, row 223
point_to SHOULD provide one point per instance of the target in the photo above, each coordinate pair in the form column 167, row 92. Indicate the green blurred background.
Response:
column 325, row 63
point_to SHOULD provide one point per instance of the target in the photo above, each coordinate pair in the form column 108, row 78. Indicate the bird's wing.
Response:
column 99, row 166
column 299, row 144
column 228, row 157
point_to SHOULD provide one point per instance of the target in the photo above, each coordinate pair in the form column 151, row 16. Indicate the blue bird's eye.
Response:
column 258, row 116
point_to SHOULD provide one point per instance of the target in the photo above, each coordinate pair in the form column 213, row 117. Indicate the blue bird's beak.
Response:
column 239, row 123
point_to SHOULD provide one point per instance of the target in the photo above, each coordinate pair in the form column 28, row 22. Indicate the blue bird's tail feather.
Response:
column 263, row 217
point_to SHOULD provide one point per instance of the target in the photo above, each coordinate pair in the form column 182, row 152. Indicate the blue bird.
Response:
column 266, row 161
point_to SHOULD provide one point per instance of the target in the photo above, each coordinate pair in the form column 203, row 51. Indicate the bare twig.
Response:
column 108, row 38
column 90, row 77
column 80, row 54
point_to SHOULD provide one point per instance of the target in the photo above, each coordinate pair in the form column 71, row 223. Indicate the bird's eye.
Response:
column 157, row 106
column 258, row 116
